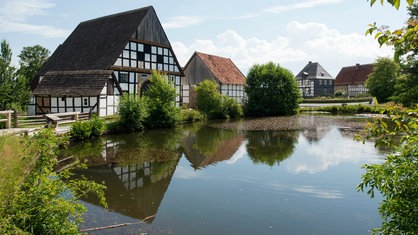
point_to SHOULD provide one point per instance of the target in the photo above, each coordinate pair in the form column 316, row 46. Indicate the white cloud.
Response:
column 301, row 42
column 15, row 14
column 182, row 22
column 300, row 5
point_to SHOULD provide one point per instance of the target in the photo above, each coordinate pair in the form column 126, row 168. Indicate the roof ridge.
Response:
column 118, row 14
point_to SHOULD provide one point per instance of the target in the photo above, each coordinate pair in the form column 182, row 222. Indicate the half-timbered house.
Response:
column 222, row 70
column 313, row 80
column 351, row 79
column 103, row 58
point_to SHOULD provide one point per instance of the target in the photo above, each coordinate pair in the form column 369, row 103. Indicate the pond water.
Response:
column 199, row 179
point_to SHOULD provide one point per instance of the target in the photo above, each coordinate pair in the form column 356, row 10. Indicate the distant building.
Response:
column 351, row 79
column 313, row 80
column 222, row 70
column 100, row 60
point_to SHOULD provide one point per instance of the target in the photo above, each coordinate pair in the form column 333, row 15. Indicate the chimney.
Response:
column 357, row 66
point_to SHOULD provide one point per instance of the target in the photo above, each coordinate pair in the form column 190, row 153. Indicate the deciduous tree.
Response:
column 271, row 90
column 381, row 81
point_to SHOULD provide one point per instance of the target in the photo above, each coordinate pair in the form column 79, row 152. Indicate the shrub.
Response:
column 271, row 90
column 160, row 99
column 191, row 115
column 132, row 111
column 46, row 202
column 230, row 108
column 209, row 100
column 87, row 129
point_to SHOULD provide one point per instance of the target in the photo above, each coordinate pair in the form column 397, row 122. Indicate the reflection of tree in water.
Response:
column 271, row 147
column 209, row 145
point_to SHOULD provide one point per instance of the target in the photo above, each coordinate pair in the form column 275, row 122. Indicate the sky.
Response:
column 287, row 32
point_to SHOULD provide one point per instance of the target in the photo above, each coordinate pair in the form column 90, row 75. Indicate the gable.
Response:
column 223, row 69
column 97, row 43
column 313, row 71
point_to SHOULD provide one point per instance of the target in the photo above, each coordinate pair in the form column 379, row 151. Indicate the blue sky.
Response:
column 288, row 32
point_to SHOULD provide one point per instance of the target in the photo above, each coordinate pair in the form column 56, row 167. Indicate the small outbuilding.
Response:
column 351, row 79
column 313, row 80
column 102, row 59
column 222, row 70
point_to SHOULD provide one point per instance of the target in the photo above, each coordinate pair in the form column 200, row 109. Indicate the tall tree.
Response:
column 31, row 60
column 271, row 90
column 14, row 92
column 382, row 79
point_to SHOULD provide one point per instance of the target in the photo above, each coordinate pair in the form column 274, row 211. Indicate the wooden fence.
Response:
column 13, row 120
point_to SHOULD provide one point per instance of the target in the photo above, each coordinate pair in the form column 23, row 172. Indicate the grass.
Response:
column 346, row 109
column 12, row 164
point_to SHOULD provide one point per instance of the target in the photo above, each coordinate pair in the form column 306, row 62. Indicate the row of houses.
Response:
column 111, row 55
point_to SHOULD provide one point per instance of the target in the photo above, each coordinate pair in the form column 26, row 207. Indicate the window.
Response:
column 123, row 77
column 85, row 102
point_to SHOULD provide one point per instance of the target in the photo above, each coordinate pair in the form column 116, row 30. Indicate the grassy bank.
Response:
column 346, row 109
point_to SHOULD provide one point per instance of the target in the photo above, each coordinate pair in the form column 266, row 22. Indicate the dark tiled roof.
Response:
column 223, row 68
column 352, row 75
column 313, row 71
column 73, row 83
column 96, row 44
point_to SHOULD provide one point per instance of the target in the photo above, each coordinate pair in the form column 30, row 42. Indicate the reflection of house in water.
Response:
column 135, row 186
column 313, row 128
column 201, row 152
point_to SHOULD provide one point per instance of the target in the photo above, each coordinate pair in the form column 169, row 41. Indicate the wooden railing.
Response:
column 13, row 120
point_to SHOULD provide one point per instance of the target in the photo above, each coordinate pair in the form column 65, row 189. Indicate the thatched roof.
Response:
column 73, row 83
column 352, row 75
column 96, row 44
column 313, row 70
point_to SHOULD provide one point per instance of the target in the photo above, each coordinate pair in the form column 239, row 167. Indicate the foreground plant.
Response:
column 46, row 202
column 397, row 177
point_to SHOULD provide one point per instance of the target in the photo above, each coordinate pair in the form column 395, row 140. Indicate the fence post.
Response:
column 8, row 120
column 15, row 124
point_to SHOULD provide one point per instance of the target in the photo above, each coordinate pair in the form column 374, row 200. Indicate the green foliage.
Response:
column 271, row 90
column 132, row 111
column 346, row 109
column 160, row 99
column 396, row 178
column 14, row 93
column 209, row 100
column 46, row 202
column 191, row 115
column 31, row 60
column 93, row 127
column 382, row 79
column 230, row 108
column 406, row 90
column 213, row 104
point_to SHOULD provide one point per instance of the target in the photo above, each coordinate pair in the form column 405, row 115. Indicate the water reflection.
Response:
column 138, row 171
column 271, row 147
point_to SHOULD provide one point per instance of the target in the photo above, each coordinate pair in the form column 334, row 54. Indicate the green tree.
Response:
column 14, row 93
column 405, row 43
column 31, row 60
column 271, row 90
column 161, row 102
column 396, row 178
column 381, row 81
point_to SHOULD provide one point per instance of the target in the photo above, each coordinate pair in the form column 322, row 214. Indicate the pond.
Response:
column 203, row 179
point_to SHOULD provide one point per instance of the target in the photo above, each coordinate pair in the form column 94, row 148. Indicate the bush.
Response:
column 271, row 90
column 46, row 202
column 209, row 100
column 213, row 104
column 230, row 108
column 160, row 99
column 396, row 178
column 132, row 111
column 87, row 129
column 191, row 115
